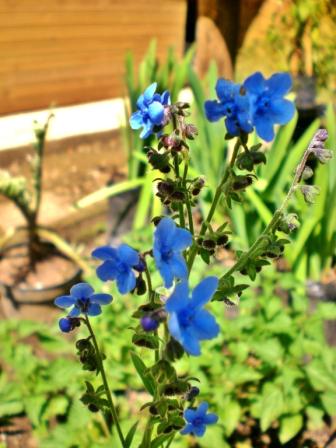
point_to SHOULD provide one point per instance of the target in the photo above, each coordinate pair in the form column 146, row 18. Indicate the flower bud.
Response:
column 190, row 131
column 307, row 173
column 67, row 324
column 140, row 286
column 192, row 393
column 309, row 193
column 241, row 182
column 209, row 244
column 149, row 323
column 222, row 240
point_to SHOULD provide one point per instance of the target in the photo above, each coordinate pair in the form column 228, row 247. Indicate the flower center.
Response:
column 83, row 304
column 198, row 421
column 185, row 317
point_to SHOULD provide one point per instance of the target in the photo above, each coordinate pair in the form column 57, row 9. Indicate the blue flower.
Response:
column 118, row 264
column 268, row 105
column 68, row 323
column 188, row 322
column 151, row 107
column 83, row 300
column 233, row 104
column 198, row 419
column 169, row 242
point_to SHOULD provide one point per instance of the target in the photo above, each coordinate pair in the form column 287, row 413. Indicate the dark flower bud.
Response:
column 93, row 408
column 190, row 131
column 258, row 157
column 165, row 188
column 149, row 323
column 309, row 193
column 209, row 244
column 140, row 286
column 158, row 161
column 153, row 410
column 178, row 196
column 241, row 182
column 195, row 191
column 67, row 324
column 222, row 240
column 83, row 344
column 174, row 350
column 192, row 393
column 156, row 220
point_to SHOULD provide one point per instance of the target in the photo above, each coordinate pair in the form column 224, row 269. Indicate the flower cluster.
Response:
column 151, row 113
column 176, row 319
column 258, row 102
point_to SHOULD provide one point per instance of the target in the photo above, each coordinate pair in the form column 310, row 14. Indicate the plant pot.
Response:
column 120, row 214
column 32, row 297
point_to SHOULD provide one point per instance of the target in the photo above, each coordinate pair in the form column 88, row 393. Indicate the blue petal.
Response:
column 65, row 301
column 214, row 111
column 165, row 230
column 105, row 253
column 94, row 309
column 126, row 282
column 182, row 239
column 279, row 83
column 165, row 98
column 136, row 120
column 255, row 83
column 75, row 312
column 107, row 271
column 165, row 272
column 187, row 429
column 140, row 102
column 189, row 414
column 190, row 342
column 178, row 266
column 202, row 409
column 174, row 327
column 205, row 325
column 81, row 291
column 147, row 130
column 231, row 126
column 199, row 430
column 179, row 298
column 210, row 419
column 204, row 291
column 149, row 92
column 225, row 89
column 101, row 299
column 282, row 111
column 244, row 121
column 128, row 255
column 264, row 127
column 156, row 112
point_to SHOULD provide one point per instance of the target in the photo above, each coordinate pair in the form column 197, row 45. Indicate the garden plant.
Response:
column 175, row 321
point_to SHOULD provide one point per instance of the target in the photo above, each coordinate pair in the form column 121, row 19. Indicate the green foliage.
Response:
column 275, row 366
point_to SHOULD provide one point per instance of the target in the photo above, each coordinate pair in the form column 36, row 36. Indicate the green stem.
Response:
column 218, row 193
column 105, row 383
column 272, row 225
column 180, row 205
column 151, row 294
column 170, row 441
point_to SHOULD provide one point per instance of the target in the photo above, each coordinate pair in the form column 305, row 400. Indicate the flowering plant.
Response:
column 174, row 321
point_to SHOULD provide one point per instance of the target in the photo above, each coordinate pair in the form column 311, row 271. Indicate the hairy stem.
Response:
column 105, row 382
column 272, row 225
column 218, row 193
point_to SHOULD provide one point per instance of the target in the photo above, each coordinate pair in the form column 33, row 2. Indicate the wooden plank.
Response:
column 69, row 51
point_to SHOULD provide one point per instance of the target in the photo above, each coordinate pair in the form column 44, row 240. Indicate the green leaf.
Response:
column 272, row 406
column 142, row 370
column 130, row 435
column 290, row 425
column 230, row 416
column 329, row 403
column 320, row 378
column 158, row 441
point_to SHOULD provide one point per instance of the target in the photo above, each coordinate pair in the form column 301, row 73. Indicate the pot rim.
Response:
column 76, row 273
